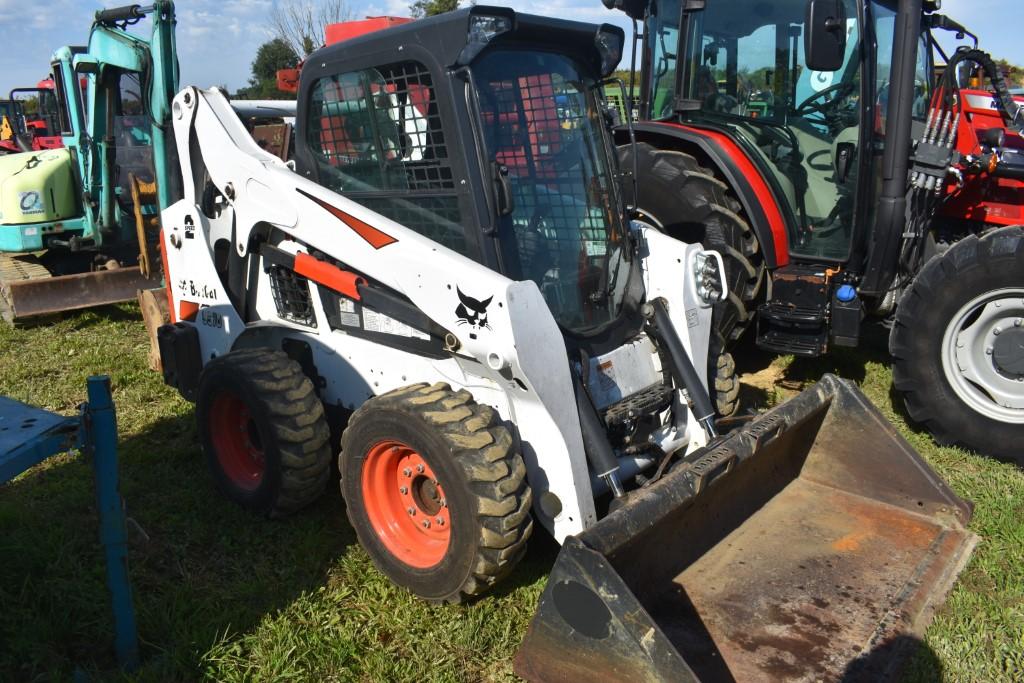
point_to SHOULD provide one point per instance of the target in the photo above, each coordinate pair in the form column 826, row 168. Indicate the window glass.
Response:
column 133, row 136
column 376, row 137
column 748, row 71
column 62, row 102
column 543, row 129
column 663, row 31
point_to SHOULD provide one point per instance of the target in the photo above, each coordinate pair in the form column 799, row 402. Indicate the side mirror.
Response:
column 825, row 35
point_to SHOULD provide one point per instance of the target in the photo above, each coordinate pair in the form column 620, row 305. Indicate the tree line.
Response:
column 297, row 27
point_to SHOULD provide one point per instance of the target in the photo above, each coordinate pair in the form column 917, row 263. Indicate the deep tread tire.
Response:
column 727, row 383
column 688, row 202
column 971, row 267
column 289, row 419
column 483, row 476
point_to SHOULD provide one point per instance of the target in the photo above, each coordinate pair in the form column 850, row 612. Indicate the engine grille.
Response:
column 291, row 296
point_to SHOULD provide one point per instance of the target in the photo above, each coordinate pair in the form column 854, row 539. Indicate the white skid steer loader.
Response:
column 468, row 314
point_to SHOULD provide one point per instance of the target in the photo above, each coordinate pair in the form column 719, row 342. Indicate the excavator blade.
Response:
column 28, row 291
column 813, row 544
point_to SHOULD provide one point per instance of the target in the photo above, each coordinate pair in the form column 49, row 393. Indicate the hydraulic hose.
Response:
column 1009, row 109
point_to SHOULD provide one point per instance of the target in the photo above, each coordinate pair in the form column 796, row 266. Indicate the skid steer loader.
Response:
column 447, row 278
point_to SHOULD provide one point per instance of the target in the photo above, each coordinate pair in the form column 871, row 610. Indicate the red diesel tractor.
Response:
column 810, row 142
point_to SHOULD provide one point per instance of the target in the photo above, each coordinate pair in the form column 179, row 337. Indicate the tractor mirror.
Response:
column 825, row 35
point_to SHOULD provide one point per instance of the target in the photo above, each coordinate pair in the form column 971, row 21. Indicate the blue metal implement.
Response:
column 29, row 435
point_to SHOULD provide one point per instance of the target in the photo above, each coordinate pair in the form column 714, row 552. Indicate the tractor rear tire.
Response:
column 958, row 345
column 263, row 430
column 436, row 491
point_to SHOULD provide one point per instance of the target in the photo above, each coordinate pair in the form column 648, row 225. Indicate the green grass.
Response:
column 227, row 596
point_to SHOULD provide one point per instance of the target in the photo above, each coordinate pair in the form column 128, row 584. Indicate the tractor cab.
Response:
column 814, row 132
column 504, row 157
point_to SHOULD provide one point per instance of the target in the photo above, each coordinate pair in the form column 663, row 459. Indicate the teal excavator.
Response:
column 78, row 225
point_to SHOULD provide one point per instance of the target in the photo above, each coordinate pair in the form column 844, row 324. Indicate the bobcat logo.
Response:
column 472, row 312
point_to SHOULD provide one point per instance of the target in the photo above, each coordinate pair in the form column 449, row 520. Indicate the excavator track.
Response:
column 30, row 292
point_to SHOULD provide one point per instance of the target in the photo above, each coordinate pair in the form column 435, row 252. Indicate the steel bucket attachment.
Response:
column 808, row 546
column 40, row 294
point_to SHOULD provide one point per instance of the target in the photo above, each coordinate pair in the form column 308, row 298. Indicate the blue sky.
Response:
column 217, row 39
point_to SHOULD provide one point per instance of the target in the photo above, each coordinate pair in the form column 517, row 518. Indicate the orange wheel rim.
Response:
column 236, row 441
column 406, row 504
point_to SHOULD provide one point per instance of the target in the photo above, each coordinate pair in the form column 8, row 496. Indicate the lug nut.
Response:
column 997, row 331
column 419, row 468
column 426, row 524
column 403, row 490
column 407, row 472
column 440, row 520
column 411, row 510
column 444, row 503
column 1018, row 322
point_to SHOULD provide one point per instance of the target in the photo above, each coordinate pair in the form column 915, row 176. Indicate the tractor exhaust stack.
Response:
column 807, row 546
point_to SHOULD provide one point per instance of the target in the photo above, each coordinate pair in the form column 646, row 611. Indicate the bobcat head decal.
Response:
column 472, row 312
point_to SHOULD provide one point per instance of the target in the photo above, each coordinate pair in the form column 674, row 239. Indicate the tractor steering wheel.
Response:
column 810, row 106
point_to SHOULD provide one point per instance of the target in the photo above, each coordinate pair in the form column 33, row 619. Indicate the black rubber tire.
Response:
column 484, row 479
column 288, row 418
column 689, row 203
column 726, row 383
column 947, row 282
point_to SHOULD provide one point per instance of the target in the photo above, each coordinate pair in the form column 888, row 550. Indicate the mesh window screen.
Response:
column 378, row 139
column 541, row 122
column 291, row 296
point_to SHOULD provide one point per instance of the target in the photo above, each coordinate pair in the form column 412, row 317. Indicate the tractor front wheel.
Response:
column 263, row 431
column 958, row 345
column 435, row 491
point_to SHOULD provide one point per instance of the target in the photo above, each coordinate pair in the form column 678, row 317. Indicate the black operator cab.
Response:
column 484, row 130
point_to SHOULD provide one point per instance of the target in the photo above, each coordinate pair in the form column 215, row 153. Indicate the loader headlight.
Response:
column 483, row 28
column 709, row 276
column 609, row 41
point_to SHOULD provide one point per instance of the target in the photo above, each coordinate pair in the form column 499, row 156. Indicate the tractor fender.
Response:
column 736, row 168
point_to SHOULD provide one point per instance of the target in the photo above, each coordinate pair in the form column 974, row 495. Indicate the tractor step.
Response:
column 796, row 319
column 28, row 291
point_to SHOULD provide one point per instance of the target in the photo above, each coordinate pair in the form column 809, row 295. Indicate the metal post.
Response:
column 100, row 427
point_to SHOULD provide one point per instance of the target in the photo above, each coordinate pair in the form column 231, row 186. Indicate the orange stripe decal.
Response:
column 187, row 310
column 167, row 279
column 329, row 276
column 374, row 237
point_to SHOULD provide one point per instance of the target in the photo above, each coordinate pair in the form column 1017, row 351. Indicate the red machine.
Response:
column 37, row 130
column 288, row 79
column 993, row 161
